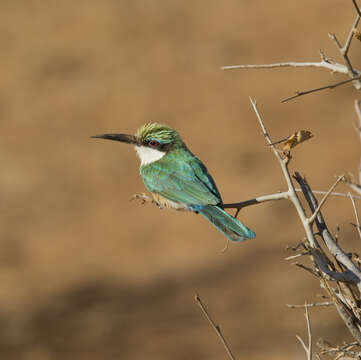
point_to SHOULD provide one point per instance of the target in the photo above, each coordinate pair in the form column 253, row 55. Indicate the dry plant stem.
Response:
column 355, row 187
column 257, row 200
column 347, row 68
column 291, row 193
column 344, row 352
column 344, row 312
column 331, row 86
column 356, row 215
column 216, row 328
column 358, row 113
column 308, row 349
column 356, row 7
column 355, row 197
column 279, row 196
column 334, row 67
column 345, row 276
column 298, row 255
column 352, row 273
column 348, row 319
column 313, row 217
column 326, row 303
column 345, row 49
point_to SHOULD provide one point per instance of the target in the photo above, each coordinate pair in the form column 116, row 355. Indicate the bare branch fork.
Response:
column 308, row 348
column 325, row 63
column 336, row 270
column 279, row 196
column 352, row 274
column 324, row 269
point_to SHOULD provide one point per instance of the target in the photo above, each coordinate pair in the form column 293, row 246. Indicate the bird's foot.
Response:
column 143, row 198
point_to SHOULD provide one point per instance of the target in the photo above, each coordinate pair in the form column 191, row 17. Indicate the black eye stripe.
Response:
column 166, row 147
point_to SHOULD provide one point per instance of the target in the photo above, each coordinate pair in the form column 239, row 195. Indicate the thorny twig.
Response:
column 216, row 327
column 346, row 68
column 324, row 268
column 323, row 200
column 326, row 303
column 358, row 113
column 356, row 216
column 308, row 348
column 330, row 86
column 343, row 350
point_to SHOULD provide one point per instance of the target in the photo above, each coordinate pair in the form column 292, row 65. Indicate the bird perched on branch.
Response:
column 178, row 179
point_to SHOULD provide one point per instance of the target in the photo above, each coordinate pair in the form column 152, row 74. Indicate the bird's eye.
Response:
column 153, row 143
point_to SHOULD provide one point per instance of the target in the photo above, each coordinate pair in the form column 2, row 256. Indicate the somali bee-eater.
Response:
column 178, row 179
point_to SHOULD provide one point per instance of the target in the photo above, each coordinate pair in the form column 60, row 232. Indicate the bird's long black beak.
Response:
column 129, row 139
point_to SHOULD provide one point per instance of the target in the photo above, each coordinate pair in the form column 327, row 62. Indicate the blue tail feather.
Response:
column 229, row 226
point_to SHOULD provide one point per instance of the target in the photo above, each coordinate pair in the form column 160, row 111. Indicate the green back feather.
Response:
column 181, row 177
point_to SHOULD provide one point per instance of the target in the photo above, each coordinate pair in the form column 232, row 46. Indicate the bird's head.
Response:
column 152, row 141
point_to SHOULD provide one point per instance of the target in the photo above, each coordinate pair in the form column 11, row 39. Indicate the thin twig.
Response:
column 356, row 7
column 292, row 195
column 335, row 67
column 292, row 257
column 308, row 349
column 303, row 344
column 355, row 187
column 279, row 196
column 309, row 353
column 356, row 215
column 313, row 217
column 358, row 113
column 353, row 273
column 345, row 49
column 304, row 267
column 257, row 200
column 320, row 304
column 216, row 327
column 350, row 36
column 332, row 193
column 331, row 86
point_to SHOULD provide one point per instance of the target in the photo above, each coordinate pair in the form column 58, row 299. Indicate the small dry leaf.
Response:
column 295, row 139
column 357, row 34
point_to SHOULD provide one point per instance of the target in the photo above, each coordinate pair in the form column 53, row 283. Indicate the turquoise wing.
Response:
column 181, row 177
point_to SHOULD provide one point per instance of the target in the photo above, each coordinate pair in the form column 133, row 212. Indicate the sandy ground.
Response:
column 86, row 274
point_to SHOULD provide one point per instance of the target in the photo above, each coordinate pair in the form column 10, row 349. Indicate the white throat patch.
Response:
column 148, row 155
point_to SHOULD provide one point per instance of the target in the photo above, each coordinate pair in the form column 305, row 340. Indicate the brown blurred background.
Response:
column 86, row 274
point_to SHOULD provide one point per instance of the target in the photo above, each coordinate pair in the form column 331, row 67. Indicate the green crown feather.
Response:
column 155, row 131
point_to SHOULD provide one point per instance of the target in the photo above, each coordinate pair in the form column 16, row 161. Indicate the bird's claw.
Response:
column 142, row 197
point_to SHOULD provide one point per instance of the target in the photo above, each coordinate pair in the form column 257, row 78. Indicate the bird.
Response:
column 177, row 179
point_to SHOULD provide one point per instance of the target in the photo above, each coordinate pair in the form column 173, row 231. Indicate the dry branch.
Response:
column 216, row 327
column 330, row 87
column 325, row 63
column 336, row 270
